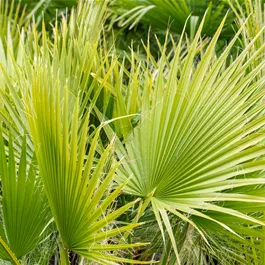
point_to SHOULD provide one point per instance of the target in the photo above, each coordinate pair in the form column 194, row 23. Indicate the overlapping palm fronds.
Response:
column 183, row 130
column 54, row 98
column 75, row 38
column 199, row 138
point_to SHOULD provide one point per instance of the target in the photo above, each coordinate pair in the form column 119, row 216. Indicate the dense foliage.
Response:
column 132, row 132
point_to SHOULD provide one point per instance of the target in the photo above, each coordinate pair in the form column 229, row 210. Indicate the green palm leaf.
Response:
column 75, row 185
column 200, row 136
column 76, row 181
column 24, row 208
column 52, row 104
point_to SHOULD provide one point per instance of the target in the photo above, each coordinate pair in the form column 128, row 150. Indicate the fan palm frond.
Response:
column 54, row 100
column 75, row 185
column 199, row 138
